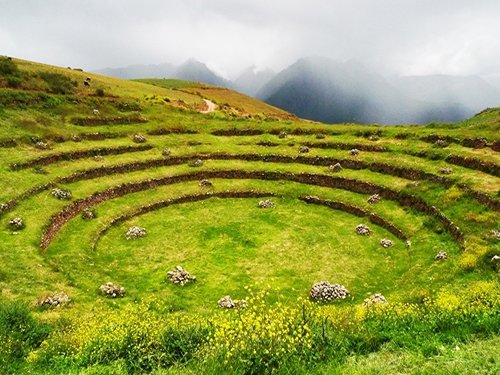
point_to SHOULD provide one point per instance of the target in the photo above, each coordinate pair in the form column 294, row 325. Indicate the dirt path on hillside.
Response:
column 207, row 106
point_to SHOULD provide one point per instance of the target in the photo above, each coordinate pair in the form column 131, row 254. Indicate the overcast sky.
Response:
column 395, row 36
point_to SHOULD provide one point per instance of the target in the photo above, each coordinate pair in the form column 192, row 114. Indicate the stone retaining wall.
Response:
column 59, row 219
column 80, row 154
column 473, row 163
column 354, row 210
column 98, row 121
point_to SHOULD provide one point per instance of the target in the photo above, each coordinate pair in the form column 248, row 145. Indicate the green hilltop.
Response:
column 105, row 180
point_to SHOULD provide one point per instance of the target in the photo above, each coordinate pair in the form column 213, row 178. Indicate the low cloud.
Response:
column 393, row 36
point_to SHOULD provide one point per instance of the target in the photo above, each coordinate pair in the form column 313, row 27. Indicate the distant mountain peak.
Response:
column 326, row 90
column 194, row 70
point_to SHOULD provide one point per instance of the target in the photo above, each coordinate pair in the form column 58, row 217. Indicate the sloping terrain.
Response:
column 85, row 158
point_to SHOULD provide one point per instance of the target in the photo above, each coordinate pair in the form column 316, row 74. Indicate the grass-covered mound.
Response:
column 108, row 185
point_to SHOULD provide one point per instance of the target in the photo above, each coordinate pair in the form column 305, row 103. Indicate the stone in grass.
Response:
column 445, row 170
column 88, row 214
column 135, row 232
column 325, row 292
column 320, row 136
column 227, row 302
column 385, row 243
column 98, row 158
column 495, row 234
column 61, row 194
column 495, row 260
column 205, row 183
column 354, row 152
column 16, row 223
column 375, row 299
column 139, row 138
column 442, row 255
column 180, row 276
column 54, row 300
column 363, row 230
column 375, row 198
column 441, row 143
column 39, row 170
column 3, row 207
column 41, row 145
column 335, row 167
column 166, row 152
column 267, row 203
column 112, row 290
column 373, row 138
column 304, row 149
column 76, row 138
column 282, row 134
column 196, row 163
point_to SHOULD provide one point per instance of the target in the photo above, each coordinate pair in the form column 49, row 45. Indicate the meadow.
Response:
column 140, row 154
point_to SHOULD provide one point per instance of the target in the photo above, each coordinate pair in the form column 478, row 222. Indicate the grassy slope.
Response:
column 228, row 244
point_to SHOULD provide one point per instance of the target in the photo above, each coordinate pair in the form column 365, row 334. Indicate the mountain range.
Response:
column 326, row 90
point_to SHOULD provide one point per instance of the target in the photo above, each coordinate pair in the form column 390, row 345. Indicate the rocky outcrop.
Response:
column 138, row 138
column 386, row 243
column 54, row 300
column 324, row 291
column 135, row 232
column 227, row 302
column 442, row 255
column 180, row 276
column 112, row 290
column 375, row 198
column 16, row 224
column 375, row 299
column 61, row 194
column 267, row 203
column 363, row 230
column 335, row 167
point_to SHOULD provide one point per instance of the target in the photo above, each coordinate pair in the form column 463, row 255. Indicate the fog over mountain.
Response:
column 190, row 70
column 193, row 70
column 437, row 58
column 327, row 90
column 139, row 71
column 251, row 80
column 472, row 92
column 330, row 91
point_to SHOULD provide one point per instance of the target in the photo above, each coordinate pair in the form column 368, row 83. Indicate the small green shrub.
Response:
column 58, row 83
column 99, row 92
column 14, row 82
column 8, row 68
column 20, row 332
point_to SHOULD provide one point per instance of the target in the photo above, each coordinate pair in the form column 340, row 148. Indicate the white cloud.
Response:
column 402, row 36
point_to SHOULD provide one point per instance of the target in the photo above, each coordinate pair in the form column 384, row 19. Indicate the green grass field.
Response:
column 57, row 132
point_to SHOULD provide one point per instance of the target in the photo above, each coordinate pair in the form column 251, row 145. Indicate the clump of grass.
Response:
column 20, row 333
column 58, row 83
column 9, row 73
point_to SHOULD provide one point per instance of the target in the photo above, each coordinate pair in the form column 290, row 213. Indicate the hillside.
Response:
column 112, row 181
